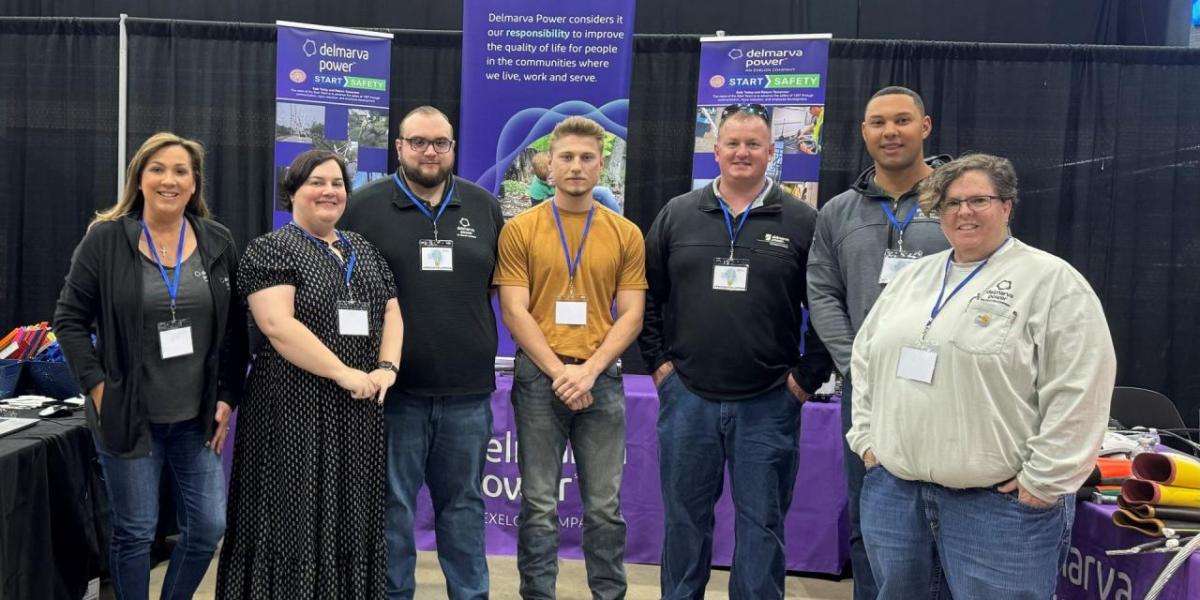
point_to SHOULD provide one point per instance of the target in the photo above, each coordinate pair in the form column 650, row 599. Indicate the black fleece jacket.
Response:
column 103, row 293
column 731, row 345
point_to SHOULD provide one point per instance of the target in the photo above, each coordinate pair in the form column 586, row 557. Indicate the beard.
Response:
column 414, row 174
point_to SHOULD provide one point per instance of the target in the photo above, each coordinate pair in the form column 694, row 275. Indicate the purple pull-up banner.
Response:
column 786, row 75
column 331, row 92
column 528, row 64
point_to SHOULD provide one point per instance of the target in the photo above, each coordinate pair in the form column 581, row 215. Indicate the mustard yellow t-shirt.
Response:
column 531, row 255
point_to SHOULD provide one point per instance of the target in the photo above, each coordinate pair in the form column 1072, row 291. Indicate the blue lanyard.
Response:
column 940, row 304
column 349, row 269
column 172, row 287
column 733, row 233
column 572, row 263
column 887, row 210
column 420, row 204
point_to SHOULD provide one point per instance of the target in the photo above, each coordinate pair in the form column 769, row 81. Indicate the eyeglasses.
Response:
column 754, row 109
column 975, row 203
column 440, row 145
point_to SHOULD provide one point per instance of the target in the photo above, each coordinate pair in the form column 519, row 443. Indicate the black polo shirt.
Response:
column 449, row 326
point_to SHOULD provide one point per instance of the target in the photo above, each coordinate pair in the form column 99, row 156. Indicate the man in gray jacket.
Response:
column 865, row 236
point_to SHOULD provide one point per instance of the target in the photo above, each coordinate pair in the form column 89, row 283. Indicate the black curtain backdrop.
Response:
column 1129, row 22
column 58, row 152
column 214, row 82
column 1106, row 141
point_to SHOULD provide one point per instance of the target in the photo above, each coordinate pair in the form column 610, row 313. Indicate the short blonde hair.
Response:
column 131, row 200
column 580, row 126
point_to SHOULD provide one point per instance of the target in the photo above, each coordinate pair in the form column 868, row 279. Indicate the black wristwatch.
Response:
column 383, row 364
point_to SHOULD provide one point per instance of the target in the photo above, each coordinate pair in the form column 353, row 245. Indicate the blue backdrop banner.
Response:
column 528, row 64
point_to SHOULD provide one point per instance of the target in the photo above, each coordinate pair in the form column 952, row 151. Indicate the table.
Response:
column 52, row 530
column 817, row 526
column 1088, row 573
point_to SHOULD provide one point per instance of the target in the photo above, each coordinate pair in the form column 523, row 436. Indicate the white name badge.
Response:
column 730, row 274
column 570, row 311
column 437, row 255
column 175, row 338
column 352, row 318
column 917, row 363
column 895, row 261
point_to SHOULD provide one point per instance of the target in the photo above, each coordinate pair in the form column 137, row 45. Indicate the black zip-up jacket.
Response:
column 731, row 345
column 103, row 293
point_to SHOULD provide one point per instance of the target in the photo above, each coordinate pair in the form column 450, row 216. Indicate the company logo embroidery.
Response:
column 464, row 228
column 200, row 274
column 777, row 241
column 1000, row 293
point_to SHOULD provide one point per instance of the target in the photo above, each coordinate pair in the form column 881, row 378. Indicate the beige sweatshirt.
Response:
column 1021, row 385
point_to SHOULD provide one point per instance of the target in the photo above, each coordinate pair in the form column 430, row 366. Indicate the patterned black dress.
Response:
column 306, row 502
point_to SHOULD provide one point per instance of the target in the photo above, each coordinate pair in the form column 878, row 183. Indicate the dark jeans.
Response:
column 441, row 442
column 697, row 438
column 597, row 436
column 852, row 464
column 133, row 484
column 928, row 541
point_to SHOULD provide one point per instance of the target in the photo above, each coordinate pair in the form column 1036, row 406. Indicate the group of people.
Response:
column 372, row 342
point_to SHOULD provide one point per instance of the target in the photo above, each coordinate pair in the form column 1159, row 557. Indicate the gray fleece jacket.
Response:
column 847, row 254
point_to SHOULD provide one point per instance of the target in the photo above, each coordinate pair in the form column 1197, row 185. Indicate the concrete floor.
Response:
column 572, row 582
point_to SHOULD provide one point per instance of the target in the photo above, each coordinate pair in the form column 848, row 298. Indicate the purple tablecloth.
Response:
column 1088, row 573
column 817, row 525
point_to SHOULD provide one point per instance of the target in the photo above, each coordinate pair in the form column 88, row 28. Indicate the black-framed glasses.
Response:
column 752, row 108
column 975, row 203
column 440, row 145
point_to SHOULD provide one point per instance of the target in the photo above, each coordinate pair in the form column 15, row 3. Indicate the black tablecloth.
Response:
column 52, row 538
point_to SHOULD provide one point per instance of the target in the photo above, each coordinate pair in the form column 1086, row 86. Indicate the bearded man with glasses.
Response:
column 438, row 234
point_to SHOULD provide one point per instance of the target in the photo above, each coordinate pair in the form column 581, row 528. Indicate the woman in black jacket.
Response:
column 154, row 279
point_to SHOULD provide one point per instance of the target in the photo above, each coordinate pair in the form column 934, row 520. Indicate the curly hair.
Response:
column 998, row 169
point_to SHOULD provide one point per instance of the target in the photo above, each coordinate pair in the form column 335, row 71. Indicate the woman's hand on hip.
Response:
column 220, row 426
column 1023, row 495
column 97, row 394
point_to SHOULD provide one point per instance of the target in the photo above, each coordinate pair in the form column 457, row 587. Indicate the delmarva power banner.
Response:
column 528, row 64
column 331, row 92
column 786, row 75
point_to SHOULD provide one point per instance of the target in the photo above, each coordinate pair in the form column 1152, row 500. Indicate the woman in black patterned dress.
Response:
column 307, row 499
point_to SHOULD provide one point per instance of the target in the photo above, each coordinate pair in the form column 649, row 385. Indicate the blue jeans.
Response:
column 597, row 436
column 928, row 541
column 758, row 439
column 852, row 465
column 439, row 441
column 132, row 485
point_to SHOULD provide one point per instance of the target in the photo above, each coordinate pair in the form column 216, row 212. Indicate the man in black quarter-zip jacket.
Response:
column 726, row 268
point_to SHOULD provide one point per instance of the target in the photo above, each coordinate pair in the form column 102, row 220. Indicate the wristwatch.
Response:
column 383, row 364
